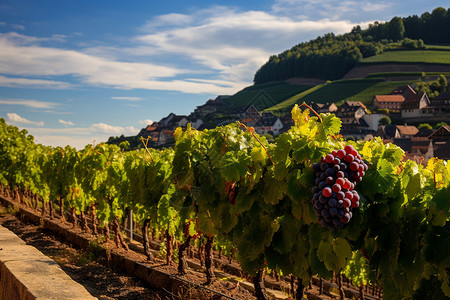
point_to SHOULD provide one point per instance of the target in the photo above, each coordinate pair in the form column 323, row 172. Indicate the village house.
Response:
column 414, row 104
column 211, row 106
column 391, row 102
column 323, row 108
column 268, row 123
column 440, row 138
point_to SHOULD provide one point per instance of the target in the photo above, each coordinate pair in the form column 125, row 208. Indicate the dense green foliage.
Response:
column 329, row 57
column 257, row 196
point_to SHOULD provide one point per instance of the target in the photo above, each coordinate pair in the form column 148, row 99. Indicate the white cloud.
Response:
column 127, row 98
column 113, row 130
column 33, row 83
column 29, row 103
column 145, row 122
column 68, row 123
column 15, row 118
column 235, row 44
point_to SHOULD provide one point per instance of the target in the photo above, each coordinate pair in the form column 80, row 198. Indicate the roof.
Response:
column 389, row 98
column 443, row 152
column 443, row 128
column 389, row 131
column 151, row 127
column 412, row 100
column 407, row 130
column 267, row 119
column 443, row 96
column 424, row 132
column 354, row 104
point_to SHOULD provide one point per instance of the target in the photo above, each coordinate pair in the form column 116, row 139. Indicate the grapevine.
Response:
column 254, row 197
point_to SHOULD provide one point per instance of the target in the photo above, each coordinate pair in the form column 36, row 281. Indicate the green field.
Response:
column 266, row 95
column 411, row 56
column 405, row 74
column 342, row 90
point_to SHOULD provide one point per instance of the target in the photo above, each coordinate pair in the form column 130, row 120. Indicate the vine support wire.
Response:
column 131, row 224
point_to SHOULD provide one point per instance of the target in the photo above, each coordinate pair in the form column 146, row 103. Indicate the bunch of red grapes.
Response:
column 334, row 193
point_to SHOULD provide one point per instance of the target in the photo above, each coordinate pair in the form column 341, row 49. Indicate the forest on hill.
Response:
column 330, row 57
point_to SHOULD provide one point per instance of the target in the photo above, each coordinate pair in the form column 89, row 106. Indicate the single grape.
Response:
column 336, row 188
column 340, row 195
column 341, row 153
column 329, row 172
column 323, row 199
column 329, row 158
column 326, row 192
column 322, row 185
column 317, row 181
column 336, row 161
column 348, row 149
column 349, row 195
column 355, row 204
column 318, row 205
column 332, row 202
column 336, row 168
column 345, row 218
column 323, row 166
column 349, row 158
column 340, row 181
column 325, row 213
column 316, row 167
column 315, row 189
column 354, row 166
column 329, row 180
column 347, row 203
column 333, row 211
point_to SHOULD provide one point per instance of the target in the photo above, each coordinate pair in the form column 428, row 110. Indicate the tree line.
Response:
column 330, row 57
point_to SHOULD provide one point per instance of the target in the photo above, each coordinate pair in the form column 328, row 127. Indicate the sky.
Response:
column 77, row 72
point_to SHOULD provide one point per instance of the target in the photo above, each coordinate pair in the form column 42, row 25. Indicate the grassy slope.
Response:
column 352, row 90
column 411, row 56
column 285, row 95
column 275, row 92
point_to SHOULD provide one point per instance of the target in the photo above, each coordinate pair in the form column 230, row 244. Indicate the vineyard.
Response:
column 310, row 204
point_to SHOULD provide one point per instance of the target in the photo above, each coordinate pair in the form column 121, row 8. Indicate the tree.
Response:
column 440, row 124
column 424, row 126
column 395, row 29
column 384, row 121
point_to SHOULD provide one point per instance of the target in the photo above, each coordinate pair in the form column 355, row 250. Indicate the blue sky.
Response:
column 75, row 72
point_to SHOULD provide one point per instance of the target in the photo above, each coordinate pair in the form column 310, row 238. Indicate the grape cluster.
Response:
column 334, row 193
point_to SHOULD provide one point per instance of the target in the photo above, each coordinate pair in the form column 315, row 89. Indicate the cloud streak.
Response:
column 67, row 123
column 127, row 98
column 29, row 103
column 15, row 118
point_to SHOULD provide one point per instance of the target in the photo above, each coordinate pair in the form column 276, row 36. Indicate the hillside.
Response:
column 266, row 95
column 338, row 91
column 330, row 57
